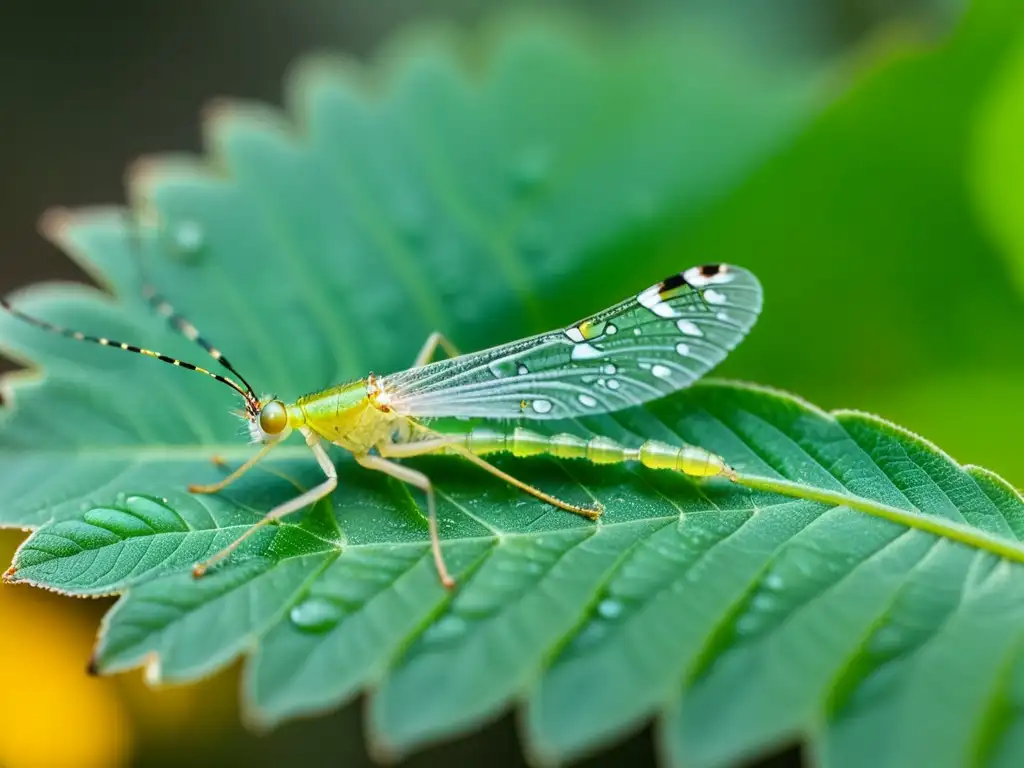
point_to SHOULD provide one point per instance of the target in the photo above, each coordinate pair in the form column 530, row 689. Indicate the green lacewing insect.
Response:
column 659, row 341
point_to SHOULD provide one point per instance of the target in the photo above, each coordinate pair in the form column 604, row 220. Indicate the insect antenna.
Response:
column 177, row 321
column 251, row 401
column 162, row 307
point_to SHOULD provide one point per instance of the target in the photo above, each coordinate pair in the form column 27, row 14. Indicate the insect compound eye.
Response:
column 273, row 418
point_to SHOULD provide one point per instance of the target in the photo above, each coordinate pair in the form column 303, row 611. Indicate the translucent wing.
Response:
column 659, row 341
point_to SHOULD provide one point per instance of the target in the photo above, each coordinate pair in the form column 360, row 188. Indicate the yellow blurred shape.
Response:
column 54, row 714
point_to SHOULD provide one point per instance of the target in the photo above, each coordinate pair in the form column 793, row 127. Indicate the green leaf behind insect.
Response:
column 486, row 206
column 890, row 221
column 998, row 168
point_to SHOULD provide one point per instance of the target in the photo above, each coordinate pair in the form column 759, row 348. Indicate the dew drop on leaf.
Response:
column 591, row 634
column 609, row 609
column 887, row 641
column 764, row 602
column 530, row 169
column 773, row 581
column 188, row 238
column 316, row 615
column 445, row 629
column 534, row 567
column 748, row 624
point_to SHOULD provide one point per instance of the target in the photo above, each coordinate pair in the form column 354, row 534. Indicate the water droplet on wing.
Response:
column 689, row 328
column 585, row 351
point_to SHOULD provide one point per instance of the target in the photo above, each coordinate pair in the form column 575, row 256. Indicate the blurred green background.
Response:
column 887, row 231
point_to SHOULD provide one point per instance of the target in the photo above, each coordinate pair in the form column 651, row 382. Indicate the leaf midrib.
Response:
column 943, row 527
column 500, row 536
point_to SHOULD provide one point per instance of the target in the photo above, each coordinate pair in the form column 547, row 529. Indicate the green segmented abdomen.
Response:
column 654, row 454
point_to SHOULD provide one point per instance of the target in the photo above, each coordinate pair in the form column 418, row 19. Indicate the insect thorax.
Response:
column 349, row 415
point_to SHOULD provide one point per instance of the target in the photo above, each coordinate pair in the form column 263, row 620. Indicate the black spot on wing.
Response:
column 711, row 270
column 672, row 283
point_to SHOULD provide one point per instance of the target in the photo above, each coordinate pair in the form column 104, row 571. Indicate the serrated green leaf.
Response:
column 488, row 208
column 403, row 201
column 109, row 548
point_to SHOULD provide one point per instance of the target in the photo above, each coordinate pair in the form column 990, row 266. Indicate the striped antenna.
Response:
column 190, row 332
column 251, row 401
column 164, row 308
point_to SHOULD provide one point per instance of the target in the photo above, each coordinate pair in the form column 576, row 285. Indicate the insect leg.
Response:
column 421, row 481
column 221, row 485
column 457, row 444
column 438, row 444
column 435, row 340
column 591, row 513
column 311, row 496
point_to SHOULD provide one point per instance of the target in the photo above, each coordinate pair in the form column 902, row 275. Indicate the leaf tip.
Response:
column 141, row 171
column 218, row 108
column 92, row 669
column 10, row 574
column 381, row 752
column 55, row 222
